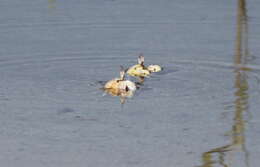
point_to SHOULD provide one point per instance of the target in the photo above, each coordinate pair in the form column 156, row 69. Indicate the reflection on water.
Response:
column 51, row 4
column 225, row 155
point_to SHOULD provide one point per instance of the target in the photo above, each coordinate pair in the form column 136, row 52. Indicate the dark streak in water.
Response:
column 240, row 104
column 65, row 110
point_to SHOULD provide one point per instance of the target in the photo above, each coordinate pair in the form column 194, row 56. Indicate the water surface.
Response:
column 201, row 111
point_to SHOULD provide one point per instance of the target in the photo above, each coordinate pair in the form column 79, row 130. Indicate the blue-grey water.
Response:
column 202, row 110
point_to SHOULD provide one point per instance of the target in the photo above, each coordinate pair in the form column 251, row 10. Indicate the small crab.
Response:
column 141, row 71
column 154, row 68
column 120, row 86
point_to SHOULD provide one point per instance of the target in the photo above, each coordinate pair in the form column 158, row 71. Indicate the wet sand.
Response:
column 202, row 110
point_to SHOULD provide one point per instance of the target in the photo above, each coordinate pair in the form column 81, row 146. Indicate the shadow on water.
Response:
column 225, row 155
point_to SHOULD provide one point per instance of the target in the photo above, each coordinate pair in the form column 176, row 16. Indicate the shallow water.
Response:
column 202, row 110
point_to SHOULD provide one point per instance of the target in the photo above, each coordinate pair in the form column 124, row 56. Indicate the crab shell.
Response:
column 120, row 88
column 138, row 71
column 154, row 68
column 127, row 85
column 119, row 92
column 113, row 84
column 120, row 85
column 113, row 92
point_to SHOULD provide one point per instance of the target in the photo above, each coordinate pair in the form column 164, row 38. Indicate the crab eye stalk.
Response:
column 122, row 73
column 141, row 59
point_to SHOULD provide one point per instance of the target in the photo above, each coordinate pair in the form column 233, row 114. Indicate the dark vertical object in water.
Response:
column 241, row 102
